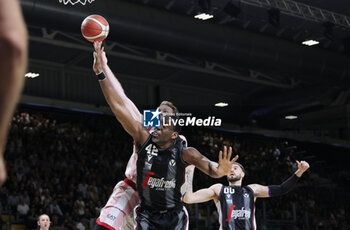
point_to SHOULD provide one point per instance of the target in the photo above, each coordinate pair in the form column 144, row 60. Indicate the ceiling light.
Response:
column 203, row 16
column 291, row 117
column 31, row 75
column 310, row 42
column 221, row 104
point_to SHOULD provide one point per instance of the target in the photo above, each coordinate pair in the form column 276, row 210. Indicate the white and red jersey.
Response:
column 130, row 171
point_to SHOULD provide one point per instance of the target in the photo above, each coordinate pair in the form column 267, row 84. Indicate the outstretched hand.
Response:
column 303, row 166
column 100, row 58
column 225, row 164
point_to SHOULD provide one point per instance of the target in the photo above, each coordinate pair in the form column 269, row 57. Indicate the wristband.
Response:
column 101, row 76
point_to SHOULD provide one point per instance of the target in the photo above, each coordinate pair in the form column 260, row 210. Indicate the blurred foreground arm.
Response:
column 13, row 63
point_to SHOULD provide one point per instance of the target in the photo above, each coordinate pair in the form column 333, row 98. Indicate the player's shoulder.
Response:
column 255, row 187
column 188, row 150
column 190, row 168
column 216, row 187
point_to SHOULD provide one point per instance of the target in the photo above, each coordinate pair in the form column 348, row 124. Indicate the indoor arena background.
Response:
column 66, row 149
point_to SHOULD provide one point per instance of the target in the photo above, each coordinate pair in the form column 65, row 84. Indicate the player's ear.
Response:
column 174, row 135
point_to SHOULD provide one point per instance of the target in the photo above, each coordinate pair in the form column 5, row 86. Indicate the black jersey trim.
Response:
column 144, row 144
column 180, row 151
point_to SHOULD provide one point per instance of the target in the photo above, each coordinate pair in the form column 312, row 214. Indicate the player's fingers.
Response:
column 229, row 153
column 220, row 155
column 234, row 159
column 224, row 156
column 99, row 45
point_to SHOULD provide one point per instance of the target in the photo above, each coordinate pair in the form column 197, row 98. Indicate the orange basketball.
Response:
column 95, row 28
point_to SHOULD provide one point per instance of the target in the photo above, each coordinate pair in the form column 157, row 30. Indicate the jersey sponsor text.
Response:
column 238, row 214
column 153, row 182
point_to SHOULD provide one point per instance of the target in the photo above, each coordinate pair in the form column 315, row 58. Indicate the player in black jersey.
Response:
column 235, row 203
column 160, row 173
column 161, row 163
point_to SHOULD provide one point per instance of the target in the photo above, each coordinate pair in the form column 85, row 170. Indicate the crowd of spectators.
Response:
column 67, row 165
column 66, row 169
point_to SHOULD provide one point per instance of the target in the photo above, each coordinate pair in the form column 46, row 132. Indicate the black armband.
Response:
column 286, row 186
column 101, row 76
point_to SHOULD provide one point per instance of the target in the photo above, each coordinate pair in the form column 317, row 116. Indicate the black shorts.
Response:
column 161, row 220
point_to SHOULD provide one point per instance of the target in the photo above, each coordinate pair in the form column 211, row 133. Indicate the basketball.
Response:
column 95, row 28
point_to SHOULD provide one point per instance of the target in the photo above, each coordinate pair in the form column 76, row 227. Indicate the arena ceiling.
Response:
column 248, row 55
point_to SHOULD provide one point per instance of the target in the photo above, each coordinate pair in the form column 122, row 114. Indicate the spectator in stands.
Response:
column 22, row 209
column 55, row 208
column 13, row 200
column 1, row 221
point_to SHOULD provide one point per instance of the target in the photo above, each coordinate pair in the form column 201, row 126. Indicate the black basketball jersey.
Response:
column 236, row 208
column 160, row 174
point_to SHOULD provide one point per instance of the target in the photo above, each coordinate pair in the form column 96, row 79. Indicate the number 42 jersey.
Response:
column 160, row 174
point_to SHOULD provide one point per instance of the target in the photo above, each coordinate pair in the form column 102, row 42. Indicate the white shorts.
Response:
column 118, row 212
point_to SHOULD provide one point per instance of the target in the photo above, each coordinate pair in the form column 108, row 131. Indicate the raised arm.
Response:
column 203, row 195
column 123, row 108
column 194, row 157
column 115, row 89
column 13, row 63
column 261, row 191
